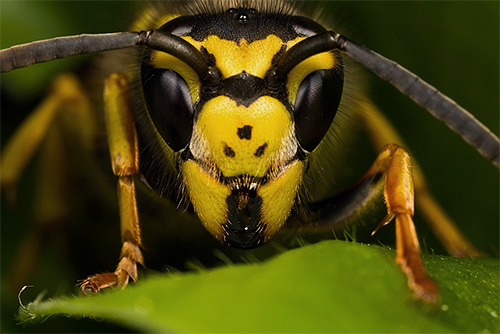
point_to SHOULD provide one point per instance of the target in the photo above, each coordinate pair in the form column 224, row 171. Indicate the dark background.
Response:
column 452, row 45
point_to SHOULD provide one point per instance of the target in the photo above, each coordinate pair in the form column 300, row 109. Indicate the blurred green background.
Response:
column 452, row 45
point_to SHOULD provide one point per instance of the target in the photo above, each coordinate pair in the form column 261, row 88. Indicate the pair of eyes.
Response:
column 169, row 103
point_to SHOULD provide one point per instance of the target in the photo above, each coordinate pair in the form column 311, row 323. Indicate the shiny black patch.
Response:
column 316, row 104
column 260, row 150
column 245, row 132
column 169, row 104
column 228, row 151
column 243, row 88
column 244, row 228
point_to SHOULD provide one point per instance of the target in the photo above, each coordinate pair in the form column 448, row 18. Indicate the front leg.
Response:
column 389, row 177
column 398, row 193
column 122, row 139
column 381, row 132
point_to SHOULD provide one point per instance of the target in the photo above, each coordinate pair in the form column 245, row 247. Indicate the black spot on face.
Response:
column 245, row 132
column 228, row 151
column 260, row 151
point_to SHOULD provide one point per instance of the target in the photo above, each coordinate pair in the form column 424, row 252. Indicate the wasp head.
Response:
column 243, row 132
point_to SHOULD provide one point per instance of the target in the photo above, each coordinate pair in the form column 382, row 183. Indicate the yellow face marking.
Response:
column 208, row 197
column 243, row 140
column 321, row 61
column 233, row 58
column 278, row 196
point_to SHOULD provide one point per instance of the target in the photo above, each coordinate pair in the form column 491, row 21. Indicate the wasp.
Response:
column 237, row 110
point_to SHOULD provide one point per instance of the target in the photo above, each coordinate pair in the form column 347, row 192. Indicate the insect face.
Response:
column 242, row 139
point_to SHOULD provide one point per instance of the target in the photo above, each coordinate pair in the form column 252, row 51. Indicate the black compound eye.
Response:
column 170, row 106
column 316, row 104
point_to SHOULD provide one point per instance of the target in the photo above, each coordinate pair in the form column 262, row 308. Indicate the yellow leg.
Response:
column 391, row 173
column 65, row 99
column 122, row 140
column 456, row 244
column 398, row 193
column 43, row 131
column 50, row 206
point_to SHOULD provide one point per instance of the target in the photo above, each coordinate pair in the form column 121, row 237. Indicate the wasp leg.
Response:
column 66, row 100
column 398, row 193
column 50, row 197
column 122, row 140
column 66, row 109
column 382, row 132
column 391, row 175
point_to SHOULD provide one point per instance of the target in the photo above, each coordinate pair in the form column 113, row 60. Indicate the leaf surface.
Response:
column 331, row 286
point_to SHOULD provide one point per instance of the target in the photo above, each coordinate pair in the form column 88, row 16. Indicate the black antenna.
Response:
column 442, row 107
column 24, row 55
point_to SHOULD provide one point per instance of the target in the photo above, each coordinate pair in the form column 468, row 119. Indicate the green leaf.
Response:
column 331, row 286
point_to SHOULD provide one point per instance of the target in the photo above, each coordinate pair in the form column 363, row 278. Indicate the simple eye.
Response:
column 317, row 101
column 170, row 105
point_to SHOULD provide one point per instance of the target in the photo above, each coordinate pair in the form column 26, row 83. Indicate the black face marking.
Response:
column 260, row 150
column 244, row 228
column 243, row 88
column 245, row 132
column 228, row 151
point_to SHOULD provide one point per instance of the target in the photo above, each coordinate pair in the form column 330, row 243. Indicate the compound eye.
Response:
column 170, row 106
column 316, row 104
